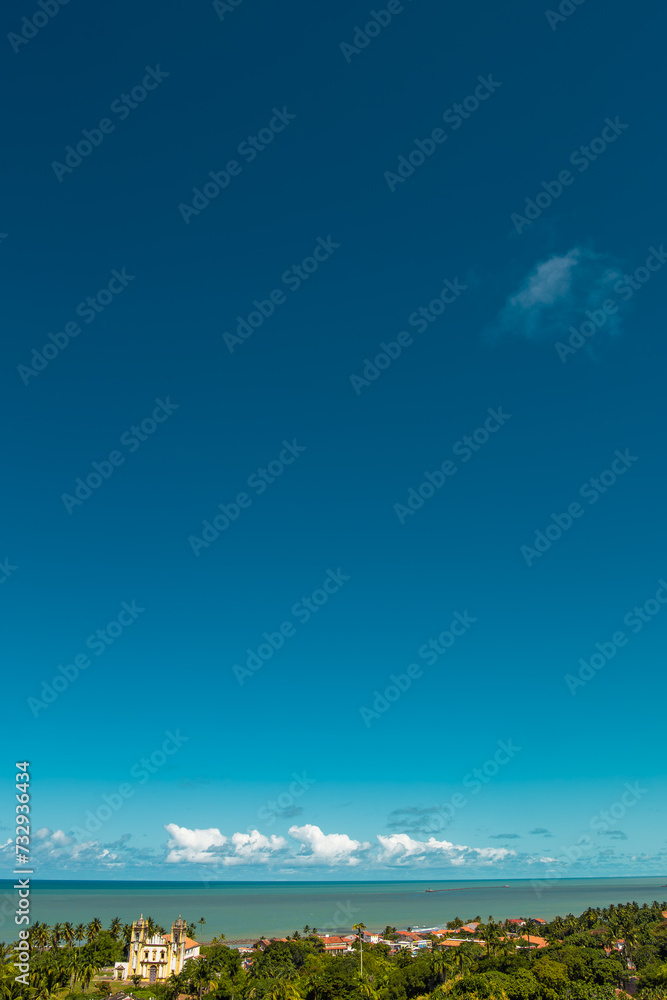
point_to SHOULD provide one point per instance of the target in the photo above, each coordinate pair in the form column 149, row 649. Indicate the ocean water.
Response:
column 250, row 909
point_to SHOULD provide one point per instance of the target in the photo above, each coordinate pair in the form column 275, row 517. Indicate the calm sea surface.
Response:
column 248, row 909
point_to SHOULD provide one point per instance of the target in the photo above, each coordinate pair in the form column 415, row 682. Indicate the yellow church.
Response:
column 156, row 958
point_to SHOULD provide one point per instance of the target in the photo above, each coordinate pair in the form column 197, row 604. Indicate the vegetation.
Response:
column 590, row 957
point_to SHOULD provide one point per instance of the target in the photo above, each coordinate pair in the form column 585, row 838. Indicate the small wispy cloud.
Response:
column 417, row 819
column 289, row 812
column 541, row 831
column 557, row 294
column 504, row 836
column 614, row 834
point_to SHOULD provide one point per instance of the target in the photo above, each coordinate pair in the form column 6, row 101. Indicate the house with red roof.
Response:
column 372, row 937
column 334, row 945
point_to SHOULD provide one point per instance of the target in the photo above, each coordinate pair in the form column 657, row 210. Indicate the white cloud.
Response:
column 492, row 853
column 399, row 847
column 56, row 849
column 248, row 844
column 306, row 847
column 193, row 845
column 254, row 846
column 206, row 846
column 549, row 282
column 325, row 848
column 557, row 294
column 316, row 848
column 60, row 838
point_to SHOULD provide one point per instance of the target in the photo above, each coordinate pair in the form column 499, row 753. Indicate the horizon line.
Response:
column 149, row 881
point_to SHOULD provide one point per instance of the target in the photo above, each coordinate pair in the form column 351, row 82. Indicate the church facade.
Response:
column 155, row 958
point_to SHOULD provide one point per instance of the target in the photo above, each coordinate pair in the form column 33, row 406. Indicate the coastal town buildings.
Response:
column 155, row 956
column 432, row 937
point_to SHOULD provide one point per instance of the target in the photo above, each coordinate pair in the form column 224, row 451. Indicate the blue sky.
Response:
column 345, row 453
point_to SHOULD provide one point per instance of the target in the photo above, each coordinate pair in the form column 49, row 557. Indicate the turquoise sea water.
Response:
column 248, row 909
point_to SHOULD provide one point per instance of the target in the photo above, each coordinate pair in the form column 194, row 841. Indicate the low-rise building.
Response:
column 333, row 944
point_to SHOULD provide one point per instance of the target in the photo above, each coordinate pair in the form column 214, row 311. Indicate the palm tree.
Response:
column 70, row 967
column 45, row 982
column 360, row 928
column 68, row 934
column 492, row 937
column 173, row 986
column 115, row 928
column 79, row 933
column 442, row 960
column 201, row 924
column 200, row 974
column 631, row 941
column 313, row 983
column 56, row 934
column 366, row 990
column 283, row 991
column 93, row 928
column 525, row 942
column 41, row 936
column 89, row 970
column 609, row 937
column 285, row 973
column 464, row 957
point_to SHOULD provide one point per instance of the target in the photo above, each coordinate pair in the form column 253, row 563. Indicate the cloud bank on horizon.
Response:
column 188, row 851
column 315, row 848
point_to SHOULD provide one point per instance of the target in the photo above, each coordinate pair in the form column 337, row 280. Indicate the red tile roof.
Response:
column 189, row 943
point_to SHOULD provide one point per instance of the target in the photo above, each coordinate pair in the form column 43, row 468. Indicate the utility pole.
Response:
column 360, row 928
